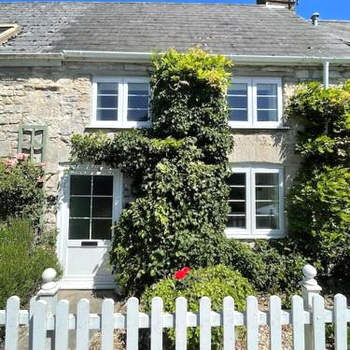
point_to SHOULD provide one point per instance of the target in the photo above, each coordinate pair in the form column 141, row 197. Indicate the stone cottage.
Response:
column 84, row 67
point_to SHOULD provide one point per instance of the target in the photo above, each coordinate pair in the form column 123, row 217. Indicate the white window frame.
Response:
column 251, row 232
column 122, row 121
column 252, row 122
column 90, row 170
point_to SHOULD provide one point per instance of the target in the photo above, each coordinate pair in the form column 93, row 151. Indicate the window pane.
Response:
column 238, row 115
column 103, row 185
column 79, row 228
column 237, row 89
column 267, row 200
column 237, row 101
column 101, row 229
column 267, row 222
column 107, row 88
column 237, row 207
column 107, row 101
column 106, row 114
column 80, row 184
column 235, row 222
column 236, row 179
column 267, row 208
column 138, row 89
column 79, row 207
column 267, row 89
column 237, row 193
column 237, row 202
column 266, row 193
column 267, row 102
column 138, row 102
column 266, row 179
column 138, row 115
column 267, row 116
column 102, row 207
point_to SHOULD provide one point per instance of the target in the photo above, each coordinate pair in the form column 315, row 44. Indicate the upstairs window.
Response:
column 121, row 102
column 256, row 203
column 255, row 103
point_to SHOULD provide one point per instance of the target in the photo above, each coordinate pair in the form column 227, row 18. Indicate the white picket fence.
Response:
column 106, row 322
column 308, row 318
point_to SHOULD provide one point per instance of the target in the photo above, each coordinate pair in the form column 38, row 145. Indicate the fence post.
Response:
column 310, row 288
column 48, row 293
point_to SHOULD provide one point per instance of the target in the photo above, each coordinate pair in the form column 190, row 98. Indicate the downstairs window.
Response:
column 256, row 203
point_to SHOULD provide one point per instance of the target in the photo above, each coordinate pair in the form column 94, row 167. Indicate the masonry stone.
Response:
column 60, row 98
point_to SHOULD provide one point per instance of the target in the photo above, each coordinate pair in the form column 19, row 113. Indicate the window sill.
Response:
column 119, row 126
column 249, row 236
column 249, row 127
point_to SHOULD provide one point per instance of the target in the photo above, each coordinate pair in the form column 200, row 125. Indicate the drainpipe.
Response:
column 326, row 74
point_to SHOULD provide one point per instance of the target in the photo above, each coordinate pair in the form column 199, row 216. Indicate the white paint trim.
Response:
column 54, row 59
column 146, row 57
column 251, row 232
column 121, row 122
column 63, row 243
column 253, row 122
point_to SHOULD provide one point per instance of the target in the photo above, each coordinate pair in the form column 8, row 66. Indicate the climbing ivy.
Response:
column 319, row 201
column 180, row 164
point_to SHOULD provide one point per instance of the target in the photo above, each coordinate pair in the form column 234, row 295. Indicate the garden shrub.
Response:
column 214, row 282
column 21, row 188
column 323, row 224
column 319, row 200
column 22, row 261
column 181, row 164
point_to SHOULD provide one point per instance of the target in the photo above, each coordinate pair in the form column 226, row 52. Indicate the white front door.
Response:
column 89, row 206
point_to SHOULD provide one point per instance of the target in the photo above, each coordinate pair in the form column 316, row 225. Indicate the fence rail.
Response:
column 307, row 317
column 157, row 320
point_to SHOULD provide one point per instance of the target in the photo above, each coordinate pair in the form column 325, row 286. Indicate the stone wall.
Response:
column 60, row 97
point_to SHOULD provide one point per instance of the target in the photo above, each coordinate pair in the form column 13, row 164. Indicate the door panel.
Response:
column 91, row 204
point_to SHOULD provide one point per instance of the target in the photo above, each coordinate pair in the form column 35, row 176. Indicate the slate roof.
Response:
column 146, row 27
column 339, row 29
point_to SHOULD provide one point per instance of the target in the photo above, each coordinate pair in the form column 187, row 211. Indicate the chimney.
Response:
column 290, row 4
column 314, row 18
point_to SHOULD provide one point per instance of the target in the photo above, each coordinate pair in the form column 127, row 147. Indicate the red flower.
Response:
column 181, row 274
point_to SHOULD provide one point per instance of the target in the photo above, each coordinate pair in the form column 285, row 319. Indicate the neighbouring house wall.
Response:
column 60, row 97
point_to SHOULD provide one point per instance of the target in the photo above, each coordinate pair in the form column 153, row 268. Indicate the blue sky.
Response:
column 328, row 9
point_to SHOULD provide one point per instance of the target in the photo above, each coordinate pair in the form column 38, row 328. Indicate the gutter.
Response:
column 145, row 57
column 54, row 59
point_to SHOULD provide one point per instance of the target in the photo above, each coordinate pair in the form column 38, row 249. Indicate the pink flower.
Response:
column 11, row 162
column 20, row 156
column 39, row 179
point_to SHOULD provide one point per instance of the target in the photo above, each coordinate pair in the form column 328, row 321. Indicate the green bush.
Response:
column 319, row 214
column 214, row 282
column 181, row 164
column 21, row 260
column 324, row 115
column 319, row 200
column 21, row 188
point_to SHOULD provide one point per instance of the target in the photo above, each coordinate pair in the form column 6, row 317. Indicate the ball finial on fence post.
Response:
column 309, row 285
column 310, row 288
column 48, row 279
